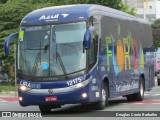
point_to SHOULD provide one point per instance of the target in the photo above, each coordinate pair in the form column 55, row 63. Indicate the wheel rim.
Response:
column 103, row 96
column 141, row 89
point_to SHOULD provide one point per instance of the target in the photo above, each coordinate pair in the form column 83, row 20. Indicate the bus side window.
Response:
column 92, row 56
column 94, row 44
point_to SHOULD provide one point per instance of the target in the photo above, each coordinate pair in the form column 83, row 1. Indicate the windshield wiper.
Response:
column 37, row 60
column 62, row 65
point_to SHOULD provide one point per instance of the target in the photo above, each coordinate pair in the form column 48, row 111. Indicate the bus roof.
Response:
column 70, row 13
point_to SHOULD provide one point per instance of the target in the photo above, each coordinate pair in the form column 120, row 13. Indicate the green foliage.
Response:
column 7, row 88
column 155, row 27
column 156, row 24
column 12, row 12
column 156, row 42
column 3, row 1
column 116, row 4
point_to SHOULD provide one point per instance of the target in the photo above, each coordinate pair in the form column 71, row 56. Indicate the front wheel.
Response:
column 100, row 105
column 45, row 109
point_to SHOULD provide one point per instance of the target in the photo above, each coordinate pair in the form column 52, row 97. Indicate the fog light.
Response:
column 20, row 98
column 84, row 95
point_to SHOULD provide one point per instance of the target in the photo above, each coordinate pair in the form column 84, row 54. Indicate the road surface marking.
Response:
column 9, row 99
column 146, row 102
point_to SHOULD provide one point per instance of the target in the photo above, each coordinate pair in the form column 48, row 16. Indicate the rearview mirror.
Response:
column 7, row 42
column 87, row 38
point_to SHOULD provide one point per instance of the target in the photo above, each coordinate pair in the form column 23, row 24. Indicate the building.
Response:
column 147, row 10
column 134, row 3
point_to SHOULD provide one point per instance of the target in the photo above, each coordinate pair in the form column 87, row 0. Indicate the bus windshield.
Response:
column 51, row 50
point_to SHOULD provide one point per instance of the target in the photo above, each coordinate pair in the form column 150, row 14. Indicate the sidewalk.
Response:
column 8, row 97
column 8, row 94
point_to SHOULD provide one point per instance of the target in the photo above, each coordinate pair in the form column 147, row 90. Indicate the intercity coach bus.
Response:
column 82, row 54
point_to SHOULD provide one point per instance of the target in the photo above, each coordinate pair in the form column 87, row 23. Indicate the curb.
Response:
column 8, row 94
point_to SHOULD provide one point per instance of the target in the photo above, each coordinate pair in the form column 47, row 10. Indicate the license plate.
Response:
column 48, row 99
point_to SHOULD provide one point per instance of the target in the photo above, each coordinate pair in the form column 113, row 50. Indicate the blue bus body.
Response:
column 118, row 58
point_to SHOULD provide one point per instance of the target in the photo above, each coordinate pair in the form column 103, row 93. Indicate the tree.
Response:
column 156, row 24
column 156, row 33
column 3, row 1
column 116, row 4
column 12, row 12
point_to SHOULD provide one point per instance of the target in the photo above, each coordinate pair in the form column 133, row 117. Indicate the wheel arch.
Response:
column 106, row 82
column 143, row 79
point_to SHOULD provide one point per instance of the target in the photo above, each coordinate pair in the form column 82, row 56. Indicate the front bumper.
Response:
column 70, row 97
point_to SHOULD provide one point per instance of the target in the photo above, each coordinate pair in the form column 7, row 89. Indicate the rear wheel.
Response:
column 158, row 81
column 137, row 96
column 130, row 97
column 104, row 101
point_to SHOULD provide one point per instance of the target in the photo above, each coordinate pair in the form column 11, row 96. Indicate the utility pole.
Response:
column 144, row 11
column 155, row 9
column 145, row 6
column 15, row 65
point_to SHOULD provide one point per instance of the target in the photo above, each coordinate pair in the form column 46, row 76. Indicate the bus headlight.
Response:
column 84, row 83
column 24, row 88
column 78, row 85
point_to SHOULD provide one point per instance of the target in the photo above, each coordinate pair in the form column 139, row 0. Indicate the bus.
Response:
column 82, row 54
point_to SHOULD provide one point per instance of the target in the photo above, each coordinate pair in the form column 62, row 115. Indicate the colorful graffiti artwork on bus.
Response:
column 126, row 54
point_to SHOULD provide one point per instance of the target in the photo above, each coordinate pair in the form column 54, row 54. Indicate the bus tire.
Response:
column 130, row 98
column 158, row 82
column 45, row 109
column 140, row 95
column 137, row 96
column 100, row 105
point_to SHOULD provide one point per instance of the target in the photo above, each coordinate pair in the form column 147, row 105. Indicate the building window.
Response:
column 150, row 7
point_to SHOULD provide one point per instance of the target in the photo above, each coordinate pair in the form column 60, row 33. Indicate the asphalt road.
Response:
column 151, row 102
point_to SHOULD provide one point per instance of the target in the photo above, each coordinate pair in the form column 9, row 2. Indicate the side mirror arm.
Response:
column 7, row 42
column 87, row 38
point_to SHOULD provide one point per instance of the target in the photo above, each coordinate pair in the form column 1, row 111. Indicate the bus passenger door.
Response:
column 93, row 58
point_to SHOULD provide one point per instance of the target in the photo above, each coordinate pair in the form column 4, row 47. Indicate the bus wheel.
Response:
column 45, row 108
column 140, row 95
column 100, row 105
column 158, row 82
column 129, row 97
column 137, row 96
